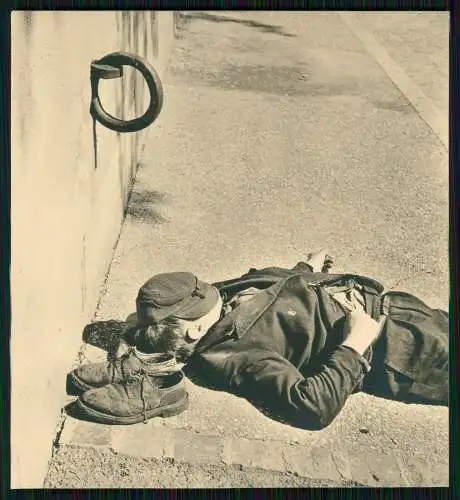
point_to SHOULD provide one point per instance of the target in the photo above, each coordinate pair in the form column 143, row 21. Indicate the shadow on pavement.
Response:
column 201, row 381
column 141, row 206
column 263, row 27
column 104, row 334
column 107, row 334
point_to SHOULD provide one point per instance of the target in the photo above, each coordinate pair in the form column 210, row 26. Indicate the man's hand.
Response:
column 320, row 261
column 361, row 330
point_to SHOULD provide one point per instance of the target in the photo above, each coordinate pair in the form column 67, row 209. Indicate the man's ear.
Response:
column 194, row 332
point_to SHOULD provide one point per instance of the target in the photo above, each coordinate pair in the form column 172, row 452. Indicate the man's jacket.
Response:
column 281, row 349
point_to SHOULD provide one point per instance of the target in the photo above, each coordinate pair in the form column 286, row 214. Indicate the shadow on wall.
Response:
column 263, row 27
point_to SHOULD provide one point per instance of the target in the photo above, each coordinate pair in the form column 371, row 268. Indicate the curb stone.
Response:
column 322, row 463
column 89, row 434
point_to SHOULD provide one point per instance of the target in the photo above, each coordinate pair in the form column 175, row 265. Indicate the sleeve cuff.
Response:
column 303, row 267
column 365, row 364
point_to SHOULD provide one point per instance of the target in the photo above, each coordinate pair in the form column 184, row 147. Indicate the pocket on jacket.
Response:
column 431, row 394
column 406, row 389
column 400, row 303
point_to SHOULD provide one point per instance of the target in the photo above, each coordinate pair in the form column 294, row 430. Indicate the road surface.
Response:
column 285, row 132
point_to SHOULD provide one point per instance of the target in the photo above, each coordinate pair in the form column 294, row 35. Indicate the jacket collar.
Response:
column 236, row 325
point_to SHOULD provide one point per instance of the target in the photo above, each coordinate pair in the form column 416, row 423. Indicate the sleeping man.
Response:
column 295, row 342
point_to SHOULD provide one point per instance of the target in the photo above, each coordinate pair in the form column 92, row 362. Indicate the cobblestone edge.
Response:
column 181, row 445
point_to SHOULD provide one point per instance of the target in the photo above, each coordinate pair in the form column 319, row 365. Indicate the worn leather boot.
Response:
column 136, row 399
column 93, row 375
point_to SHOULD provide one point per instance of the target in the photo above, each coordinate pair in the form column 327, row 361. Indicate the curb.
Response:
column 153, row 440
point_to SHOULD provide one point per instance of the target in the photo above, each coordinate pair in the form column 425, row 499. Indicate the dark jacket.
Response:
column 281, row 349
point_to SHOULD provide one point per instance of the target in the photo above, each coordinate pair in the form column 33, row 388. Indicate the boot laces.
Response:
column 144, row 403
column 130, row 377
column 118, row 364
column 142, row 378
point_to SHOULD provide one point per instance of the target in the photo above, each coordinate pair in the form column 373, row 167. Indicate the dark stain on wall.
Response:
column 154, row 33
column 136, row 30
column 27, row 101
column 28, row 24
column 83, row 275
column 95, row 143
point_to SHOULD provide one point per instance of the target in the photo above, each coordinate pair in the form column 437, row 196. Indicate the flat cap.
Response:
column 179, row 294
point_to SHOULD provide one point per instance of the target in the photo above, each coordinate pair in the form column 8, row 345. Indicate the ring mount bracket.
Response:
column 111, row 66
column 105, row 71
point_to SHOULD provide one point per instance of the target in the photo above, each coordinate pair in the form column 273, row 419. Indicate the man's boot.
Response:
column 133, row 361
column 136, row 399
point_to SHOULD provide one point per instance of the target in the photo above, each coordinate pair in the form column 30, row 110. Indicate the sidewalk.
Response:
column 235, row 178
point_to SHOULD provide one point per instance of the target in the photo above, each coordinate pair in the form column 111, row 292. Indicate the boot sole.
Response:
column 162, row 411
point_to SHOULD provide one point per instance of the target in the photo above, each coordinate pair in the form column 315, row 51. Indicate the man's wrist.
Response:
column 357, row 345
column 315, row 267
column 310, row 266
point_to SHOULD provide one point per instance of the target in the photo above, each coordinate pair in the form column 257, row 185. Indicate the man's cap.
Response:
column 180, row 294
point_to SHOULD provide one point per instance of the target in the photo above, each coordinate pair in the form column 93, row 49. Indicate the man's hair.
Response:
column 170, row 334
column 167, row 335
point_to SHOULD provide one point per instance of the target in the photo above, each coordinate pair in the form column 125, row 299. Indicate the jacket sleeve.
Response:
column 312, row 402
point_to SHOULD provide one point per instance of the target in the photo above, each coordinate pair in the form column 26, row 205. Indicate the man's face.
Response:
column 194, row 330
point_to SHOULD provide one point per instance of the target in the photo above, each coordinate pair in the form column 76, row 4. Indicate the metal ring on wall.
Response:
column 110, row 66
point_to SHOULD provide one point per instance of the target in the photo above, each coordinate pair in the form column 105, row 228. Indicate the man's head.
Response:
column 174, row 310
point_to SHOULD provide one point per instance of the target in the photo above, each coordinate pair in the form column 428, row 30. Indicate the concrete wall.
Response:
column 70, row 184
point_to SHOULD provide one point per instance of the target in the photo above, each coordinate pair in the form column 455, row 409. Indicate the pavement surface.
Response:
column 284, row 132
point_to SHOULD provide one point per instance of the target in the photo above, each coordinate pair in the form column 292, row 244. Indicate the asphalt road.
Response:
column 283, row 133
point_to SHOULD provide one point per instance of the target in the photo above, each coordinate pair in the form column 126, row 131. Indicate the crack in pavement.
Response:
column 338, row 468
